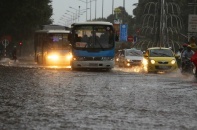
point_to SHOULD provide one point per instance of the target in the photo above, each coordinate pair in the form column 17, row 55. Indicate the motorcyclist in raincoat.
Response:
column 186, row 57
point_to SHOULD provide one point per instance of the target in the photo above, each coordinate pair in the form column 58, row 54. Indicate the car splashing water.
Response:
column 135, row 69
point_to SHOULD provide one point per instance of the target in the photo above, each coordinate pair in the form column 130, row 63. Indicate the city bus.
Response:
column 93, row 45
column 52, row 47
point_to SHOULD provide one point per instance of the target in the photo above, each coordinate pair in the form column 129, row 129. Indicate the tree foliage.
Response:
column 124, row 16
column 19, row 18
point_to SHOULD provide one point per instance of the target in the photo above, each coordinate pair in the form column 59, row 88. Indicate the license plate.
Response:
column 163, row 67
column 93, row 64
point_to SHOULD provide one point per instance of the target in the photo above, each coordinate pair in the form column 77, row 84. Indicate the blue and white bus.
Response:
column 93, row 45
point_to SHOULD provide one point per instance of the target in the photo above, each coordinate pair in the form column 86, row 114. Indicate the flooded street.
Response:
column 40, row 98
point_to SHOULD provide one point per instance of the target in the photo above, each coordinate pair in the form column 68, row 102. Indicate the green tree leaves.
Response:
column 19, row 18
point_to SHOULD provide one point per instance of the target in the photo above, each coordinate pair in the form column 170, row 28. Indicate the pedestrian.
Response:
column 14, row 57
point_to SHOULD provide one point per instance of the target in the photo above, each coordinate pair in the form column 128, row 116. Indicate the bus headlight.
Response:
column 107, row 58
column 69, row 57
column 173, row 61
column 53, row 57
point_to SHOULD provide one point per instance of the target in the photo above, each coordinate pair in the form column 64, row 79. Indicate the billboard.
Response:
column 123, row 32
column 192, row 23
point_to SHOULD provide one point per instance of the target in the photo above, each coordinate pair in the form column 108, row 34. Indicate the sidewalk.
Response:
column 26, row 60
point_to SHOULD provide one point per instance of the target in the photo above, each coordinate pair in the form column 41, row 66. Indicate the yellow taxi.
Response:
column 159, row 59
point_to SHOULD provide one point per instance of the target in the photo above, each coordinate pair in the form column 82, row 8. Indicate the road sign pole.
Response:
column 5, row 43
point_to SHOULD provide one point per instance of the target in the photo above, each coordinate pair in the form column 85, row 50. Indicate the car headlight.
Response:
column 173, row 61
column 128, row 60
column 152, row 61
column 53, row 56
column 145, row 62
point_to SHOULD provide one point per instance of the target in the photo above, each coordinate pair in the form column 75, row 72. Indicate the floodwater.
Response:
column 122, row 99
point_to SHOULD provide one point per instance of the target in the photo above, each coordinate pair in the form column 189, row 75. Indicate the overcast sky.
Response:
column 60, row 7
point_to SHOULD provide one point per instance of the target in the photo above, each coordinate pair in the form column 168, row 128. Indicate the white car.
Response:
column 130, row 57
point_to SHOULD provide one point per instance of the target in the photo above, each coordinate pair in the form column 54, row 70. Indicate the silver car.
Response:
column 130, row 57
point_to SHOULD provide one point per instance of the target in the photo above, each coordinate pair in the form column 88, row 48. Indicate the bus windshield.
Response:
column 58, row 41
column 93, row 36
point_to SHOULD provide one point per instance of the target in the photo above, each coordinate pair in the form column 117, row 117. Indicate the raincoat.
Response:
column 194, row 58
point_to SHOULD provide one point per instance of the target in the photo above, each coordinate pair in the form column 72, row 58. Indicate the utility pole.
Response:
column 102, row 9
column 112, row 7
column 191, row 20
column 123, row 21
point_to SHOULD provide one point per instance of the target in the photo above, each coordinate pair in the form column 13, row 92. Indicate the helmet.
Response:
column 189, row 46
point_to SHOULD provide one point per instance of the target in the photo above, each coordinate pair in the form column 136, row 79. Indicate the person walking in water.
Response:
column 14, row 57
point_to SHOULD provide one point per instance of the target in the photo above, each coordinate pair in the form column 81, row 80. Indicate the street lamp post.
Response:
column 90, row 10
column 76, row 12
column 71, row 17
column 86, row 6
column 123, row 10
column 95, row 8
column 90, row 1
column 74, row 19
column 112, row 7
column 102, row 9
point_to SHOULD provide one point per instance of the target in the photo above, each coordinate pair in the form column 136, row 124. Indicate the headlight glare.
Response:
column 128, row 60
column 53, row 57
column 152, row 61
column 145, row 62
column 173, row 61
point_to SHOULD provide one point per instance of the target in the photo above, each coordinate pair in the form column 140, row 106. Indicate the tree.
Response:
column 19, row 18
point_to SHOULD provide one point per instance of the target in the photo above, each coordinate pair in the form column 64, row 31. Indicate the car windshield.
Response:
column 161, row 53
column 92, row 36
column 133, row 53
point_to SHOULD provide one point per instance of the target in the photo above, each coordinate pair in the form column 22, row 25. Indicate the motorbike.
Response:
column 188, row 67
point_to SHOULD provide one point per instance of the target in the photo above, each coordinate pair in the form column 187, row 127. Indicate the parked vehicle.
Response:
column 130, row 57
column 159, row 59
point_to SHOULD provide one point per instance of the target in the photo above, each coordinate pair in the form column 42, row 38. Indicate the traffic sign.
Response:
column 130, row 38
column 192, row 23
column 5, row 42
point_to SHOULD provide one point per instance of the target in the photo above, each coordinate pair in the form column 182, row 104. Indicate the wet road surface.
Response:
column 43, row 99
